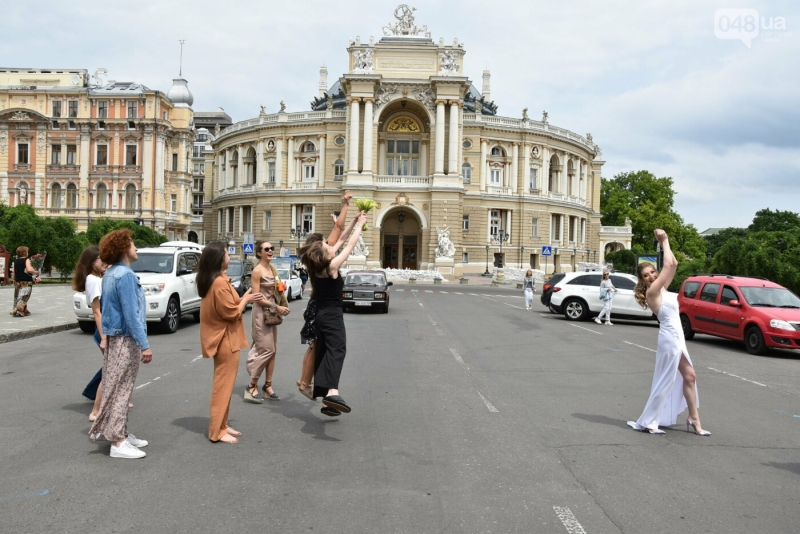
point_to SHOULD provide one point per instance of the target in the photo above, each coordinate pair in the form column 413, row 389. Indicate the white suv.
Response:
column 577, row 296
column 167, row 275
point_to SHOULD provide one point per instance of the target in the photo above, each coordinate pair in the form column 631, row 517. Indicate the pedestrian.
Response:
column 124, row 325
column 308, row 333
column 674, row 386
column 528, row 289
column 88, row 279
column 268, row 312
column 222, row 334
column 303, row 274
column 607, row 291
column 331, row 343
column 23, row 282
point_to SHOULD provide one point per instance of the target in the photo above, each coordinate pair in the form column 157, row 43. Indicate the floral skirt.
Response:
column 120, row 367
column 22, row 293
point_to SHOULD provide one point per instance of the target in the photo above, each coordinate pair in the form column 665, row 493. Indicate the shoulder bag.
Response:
column 271, row 315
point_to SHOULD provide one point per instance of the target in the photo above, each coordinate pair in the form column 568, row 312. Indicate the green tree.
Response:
column 142, row 235
column 623, row 261
column 774, row 221
column 715, row 242
column 770, row 255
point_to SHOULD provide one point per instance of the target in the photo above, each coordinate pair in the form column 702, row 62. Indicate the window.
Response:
column 73, row 108
column 621, row 282
column 231, row 215
column 402, row 157
column 173, row 203
column 130, row 154
column 338, row 140
column 271, row 172
column 102, row 155
column 308, row 219
column 494, row 176
column 533, row 178
column 102, row 109
column 72, row 196
column 267, row 221
column 202, row 168
column 466, row 172
column 494, row 223
column 465, row 257
column 728, row 294
column 71, row 125
column 535, row 227
column 197, row 202
column 55, row 196
column 57, row 108
column 467, row 144
column 130, row 197
column 202, row 137
column 465, row 223
column 164, row 115
column 497, row 151
column 197, row 168
column 197, row 151
column 555, row 228
column 308, row 173
column 309, row 147
column 72, row 154
column 709, row 293
column 174, row 162
column 55, row 155
column 101, row 197
column 22, row 153
column 132, row 110
column 572, row 229
column 690, row 289
column 247, row 219
column 338, row 169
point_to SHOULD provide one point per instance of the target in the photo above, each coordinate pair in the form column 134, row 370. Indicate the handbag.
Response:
column 605, row 294
column 271, row 315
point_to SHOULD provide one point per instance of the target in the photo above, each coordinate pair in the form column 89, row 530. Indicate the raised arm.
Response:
column 338, row 226
column 667, row 270
column 343, row 255
column 346, row 234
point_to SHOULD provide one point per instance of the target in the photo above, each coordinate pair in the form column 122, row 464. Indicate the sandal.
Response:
column 306, row 390
column 267, row 395
column 249, row 396
column 336, row 402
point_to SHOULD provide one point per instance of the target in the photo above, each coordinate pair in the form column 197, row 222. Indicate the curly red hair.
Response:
column 114, row 245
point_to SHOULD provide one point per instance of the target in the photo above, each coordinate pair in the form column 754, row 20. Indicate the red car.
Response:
column 758, row 312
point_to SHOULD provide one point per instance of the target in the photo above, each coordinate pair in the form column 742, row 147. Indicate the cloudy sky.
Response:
column 654, row 83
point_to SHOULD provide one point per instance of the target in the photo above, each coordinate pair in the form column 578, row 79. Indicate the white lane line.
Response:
column 517, row 307
column 415, row 290
column 457, row 293
column 143, row 385
column 641, row 347
column 488, row 404
column 445, row 292
column 457, row 356
column 157, row 378
column 569, row 520
column 464, row 367
column 739, row 377
column 587, row 329
column 439, row 331
column 197, row 358
column 428, row 291
column 474, row 294
column 399, row 290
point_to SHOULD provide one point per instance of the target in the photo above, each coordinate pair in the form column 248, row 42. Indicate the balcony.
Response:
column 402, row 181
column 22, row 167
column 304, row 185
column 131, row 168
column 101, row 168
column 197, row 219
column 57, row 167
column 615, row 230
column 534, row 191
column 503, row 191
column 269, row 185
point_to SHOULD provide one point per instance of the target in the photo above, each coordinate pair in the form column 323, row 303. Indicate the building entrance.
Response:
column 400, row 241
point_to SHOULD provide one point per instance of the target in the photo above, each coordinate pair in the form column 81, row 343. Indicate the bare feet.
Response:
column 233, row 432
column 130, row 405
column 93, row 417
column 227, row 438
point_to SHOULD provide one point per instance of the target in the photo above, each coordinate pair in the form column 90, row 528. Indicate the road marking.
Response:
column 739, row 377
column 445, row 292
column 415, row 290
column 517, row 307
column 587, row 329
column 143, row 385
column 488, row 404
column 641, row 347
column 157, row 378
column 197, row 358
column 457, row 293
column 464, row 367
column 457, row 356
column 439, row 331
column 428, row 291
column 569, row 520
column 474, row 294
column 399, row 290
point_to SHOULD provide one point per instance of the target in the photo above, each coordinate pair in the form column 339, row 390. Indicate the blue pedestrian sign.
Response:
column 231, row 250
column 248, row 248
column 547, row 250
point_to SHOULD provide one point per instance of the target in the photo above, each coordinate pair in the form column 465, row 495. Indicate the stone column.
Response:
column 259, row 163
column 452, row 160
column 438, row 155
column 423, row 158
column 514, row 168
column 86, row 158
column 482, row 169
column 526, row 168
column 322, row 164
column 160, row 155
column 545, row 178
column 279, row 162
column 366, row 166
column 382, row 157
column 241, row 172
column 561, row 229
column 290, row 161
column 354, row 120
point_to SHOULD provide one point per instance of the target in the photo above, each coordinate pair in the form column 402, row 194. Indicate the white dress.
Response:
column 666, row 400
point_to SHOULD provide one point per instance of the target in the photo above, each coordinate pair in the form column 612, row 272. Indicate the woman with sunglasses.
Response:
column 265, row 279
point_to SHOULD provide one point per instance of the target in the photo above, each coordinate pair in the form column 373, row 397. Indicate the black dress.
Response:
column 331, row 336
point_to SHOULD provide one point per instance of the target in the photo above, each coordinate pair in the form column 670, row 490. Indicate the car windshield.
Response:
column 283, row 273
column 235, row 269
column 153, row 263
column 365, row 280
column 770, row 297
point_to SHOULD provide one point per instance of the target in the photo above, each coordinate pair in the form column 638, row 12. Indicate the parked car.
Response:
column 167, row 275
column 239, row 271
column 760, row 313
column 367, row 289
column 547, row 288
column 294, row 287
column 577, row 296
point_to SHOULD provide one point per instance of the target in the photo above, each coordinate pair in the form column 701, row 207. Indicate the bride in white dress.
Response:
column 674, row 387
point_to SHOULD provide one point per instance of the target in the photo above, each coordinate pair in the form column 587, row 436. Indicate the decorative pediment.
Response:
column 403, row 124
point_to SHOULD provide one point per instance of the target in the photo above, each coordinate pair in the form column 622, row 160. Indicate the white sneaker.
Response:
column 136, row 442
column 609, row 323
column 126, row 450
column 597, row 320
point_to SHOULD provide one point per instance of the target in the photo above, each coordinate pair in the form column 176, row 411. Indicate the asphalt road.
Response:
column 469, row 415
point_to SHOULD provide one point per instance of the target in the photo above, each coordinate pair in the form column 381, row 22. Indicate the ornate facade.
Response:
column 86, row 148
column 405, row 127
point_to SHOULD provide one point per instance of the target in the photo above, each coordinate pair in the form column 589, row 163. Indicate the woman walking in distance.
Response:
column 674, row 388
column 607, row 291
column 331, row 338
column 528, row 289
column 23, row 282
column 89, row 280
column 124, row 325
column 272, row 304
column 308, row 333
column 222, row 334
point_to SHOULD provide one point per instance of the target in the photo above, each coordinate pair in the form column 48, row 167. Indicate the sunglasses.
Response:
column 267, row 249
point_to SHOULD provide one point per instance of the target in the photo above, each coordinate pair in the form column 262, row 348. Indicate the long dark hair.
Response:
column 640, row 291
column 315, row 258
column 210, row 266
column 85, row 267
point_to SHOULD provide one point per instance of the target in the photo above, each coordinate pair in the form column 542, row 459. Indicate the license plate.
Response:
column 363, row 304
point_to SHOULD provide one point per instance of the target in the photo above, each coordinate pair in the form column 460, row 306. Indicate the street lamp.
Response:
column 502, row 238
column 521, row 255
column 487, row 273
column 299, row 234
column 555, row 265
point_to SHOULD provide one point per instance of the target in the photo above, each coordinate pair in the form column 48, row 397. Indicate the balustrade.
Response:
column 409, row 181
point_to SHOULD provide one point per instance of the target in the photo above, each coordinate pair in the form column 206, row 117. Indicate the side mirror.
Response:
column 293, row 277
column 184, row 270
column 735, row 304
column 389, row 283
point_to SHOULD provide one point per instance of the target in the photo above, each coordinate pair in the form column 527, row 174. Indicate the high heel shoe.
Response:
column 306, row 390
column 267, row 395
column 689, row 423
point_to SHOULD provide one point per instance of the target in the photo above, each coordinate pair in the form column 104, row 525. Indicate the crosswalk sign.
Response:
column 547, row 250
column 247, row 248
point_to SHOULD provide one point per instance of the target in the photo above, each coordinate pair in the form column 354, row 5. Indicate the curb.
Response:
column 33, row 332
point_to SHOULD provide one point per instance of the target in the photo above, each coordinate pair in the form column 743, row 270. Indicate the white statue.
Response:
column 426, row 97
column 23, row 195
column 363, row 61
column 405, row 25
column 99, row 78
column 525, row 114
column 544, row 116
column 283, row 107
column 360, row 249
column 447, row 63
column 446, row 248
column 263, row 112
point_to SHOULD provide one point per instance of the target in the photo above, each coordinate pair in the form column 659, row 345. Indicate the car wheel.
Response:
column 169, row 324
column 289, row 295
column 87, row 327
column 344, row 309
column 754, row 341
column 686, row 325
column 575, row 310
column 385, row 309
column 300, row 295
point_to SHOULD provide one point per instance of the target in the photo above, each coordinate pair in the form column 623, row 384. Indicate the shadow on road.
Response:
column 314, row 425
column 198, row 425
column 80, row 407
column 601, row 419
column 791, row 467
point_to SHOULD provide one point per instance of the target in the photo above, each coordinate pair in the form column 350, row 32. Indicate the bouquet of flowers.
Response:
column 37, row 262
column 365, row 205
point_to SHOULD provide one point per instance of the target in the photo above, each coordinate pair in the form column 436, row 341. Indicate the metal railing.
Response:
column 412, row 181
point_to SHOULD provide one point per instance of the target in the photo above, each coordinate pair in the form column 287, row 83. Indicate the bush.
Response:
column 623, row 260
column 142, row 235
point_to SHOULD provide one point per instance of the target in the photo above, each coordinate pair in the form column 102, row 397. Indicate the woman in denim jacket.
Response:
column 126, row 333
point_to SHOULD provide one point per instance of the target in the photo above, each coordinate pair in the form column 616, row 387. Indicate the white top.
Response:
column 94, row 288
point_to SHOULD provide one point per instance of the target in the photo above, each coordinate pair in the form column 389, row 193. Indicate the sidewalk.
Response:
column 50, row 307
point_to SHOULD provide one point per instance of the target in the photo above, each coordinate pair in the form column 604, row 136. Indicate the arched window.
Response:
column 338, row 169
column 497, row 151
column 130, row 197
column 55, row 197
column 553, row 179
column 72, row 196
column 309, row 147
column 466, row 172
column 235, row 165
column 101, row 197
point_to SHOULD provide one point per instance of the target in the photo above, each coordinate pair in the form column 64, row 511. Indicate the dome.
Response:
column 179, row 94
